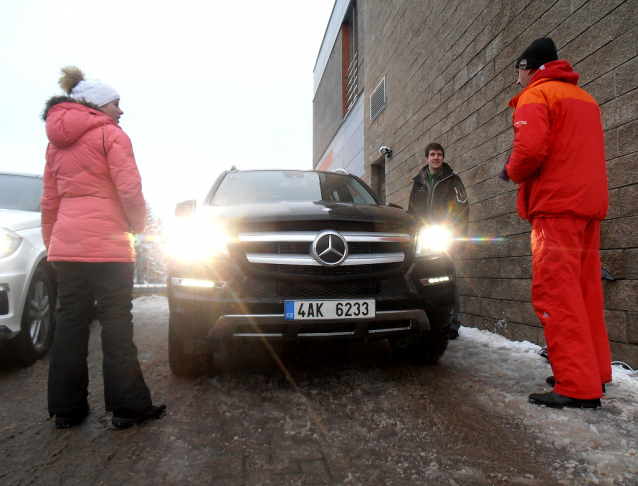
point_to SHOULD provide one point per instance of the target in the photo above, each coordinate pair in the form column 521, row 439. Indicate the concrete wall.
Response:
column 327, row 106
column 346, row 148
column 333, row 142
column 449, row 75
column 333, row 29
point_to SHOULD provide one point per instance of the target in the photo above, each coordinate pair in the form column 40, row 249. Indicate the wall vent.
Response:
column 377, row 100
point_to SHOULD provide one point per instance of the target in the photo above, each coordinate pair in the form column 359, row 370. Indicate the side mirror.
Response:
column 185, row 208
column 392, row 205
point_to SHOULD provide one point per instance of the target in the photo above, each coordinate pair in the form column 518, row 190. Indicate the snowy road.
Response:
column 347, row 414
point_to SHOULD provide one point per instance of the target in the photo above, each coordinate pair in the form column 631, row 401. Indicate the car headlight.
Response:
column 9, row 242
column 432, row 241
column 196, row 239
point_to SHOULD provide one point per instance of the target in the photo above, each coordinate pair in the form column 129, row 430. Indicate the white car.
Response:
column 27, row 281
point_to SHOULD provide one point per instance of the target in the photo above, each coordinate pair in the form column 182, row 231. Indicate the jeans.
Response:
column 456, row 324
column 111, row 284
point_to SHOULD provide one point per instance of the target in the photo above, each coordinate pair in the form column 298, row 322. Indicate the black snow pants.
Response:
column 111, row 284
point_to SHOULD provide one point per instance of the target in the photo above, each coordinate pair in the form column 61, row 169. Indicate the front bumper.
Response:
column 240, row 306
column 274, row 326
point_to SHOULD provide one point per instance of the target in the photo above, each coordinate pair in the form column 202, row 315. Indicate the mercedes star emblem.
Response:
column 329, row 248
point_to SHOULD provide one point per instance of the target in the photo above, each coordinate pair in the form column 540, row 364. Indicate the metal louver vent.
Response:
column 377, row 100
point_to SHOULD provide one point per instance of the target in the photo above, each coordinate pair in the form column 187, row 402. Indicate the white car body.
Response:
column 27, row 281
column 17, row 269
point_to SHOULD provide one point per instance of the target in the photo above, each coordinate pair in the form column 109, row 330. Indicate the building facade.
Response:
column 442, row 71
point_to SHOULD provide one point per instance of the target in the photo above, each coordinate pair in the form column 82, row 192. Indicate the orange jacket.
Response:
column 92, row 201
column 559, row 151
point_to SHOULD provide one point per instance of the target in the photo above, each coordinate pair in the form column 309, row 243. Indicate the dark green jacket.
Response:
column 444, row 202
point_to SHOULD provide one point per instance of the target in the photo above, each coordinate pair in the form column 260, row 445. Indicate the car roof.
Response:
column 22, row 174
column 288, row 170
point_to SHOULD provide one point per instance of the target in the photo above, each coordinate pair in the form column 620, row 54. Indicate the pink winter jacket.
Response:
column 92, row 202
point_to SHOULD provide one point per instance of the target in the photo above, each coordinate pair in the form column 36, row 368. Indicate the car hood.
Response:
column 17, row 220
column 307, row 211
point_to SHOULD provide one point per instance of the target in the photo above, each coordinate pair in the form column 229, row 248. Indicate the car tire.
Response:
column 222, row 364
column 38, row 320
column 427, row 348
column 182, row 363
column 231, row 356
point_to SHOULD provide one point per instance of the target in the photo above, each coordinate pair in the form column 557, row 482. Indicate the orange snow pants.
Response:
column 567, row 296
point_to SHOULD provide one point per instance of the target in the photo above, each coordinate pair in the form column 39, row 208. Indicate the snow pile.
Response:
column 602, row 444
column 620, row 375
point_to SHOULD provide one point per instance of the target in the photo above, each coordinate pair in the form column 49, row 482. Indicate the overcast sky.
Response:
column 204, row 85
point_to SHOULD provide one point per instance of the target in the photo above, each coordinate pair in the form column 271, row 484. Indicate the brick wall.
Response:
column 449, row 75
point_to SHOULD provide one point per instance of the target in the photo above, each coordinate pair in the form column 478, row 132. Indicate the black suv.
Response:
column 293, row 255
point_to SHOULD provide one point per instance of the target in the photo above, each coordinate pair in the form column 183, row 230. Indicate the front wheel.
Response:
column 182, row 363
column 38, row 320
column 427, row 348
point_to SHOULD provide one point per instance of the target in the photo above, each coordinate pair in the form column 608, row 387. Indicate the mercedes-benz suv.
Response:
column 292, row 255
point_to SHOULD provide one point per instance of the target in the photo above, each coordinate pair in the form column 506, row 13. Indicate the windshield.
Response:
column 20, row 192
column 262, row 187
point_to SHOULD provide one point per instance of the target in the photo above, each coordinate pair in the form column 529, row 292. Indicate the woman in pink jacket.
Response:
column 92, row 206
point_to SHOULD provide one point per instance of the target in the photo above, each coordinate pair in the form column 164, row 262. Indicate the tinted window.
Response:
column 20, row 192
column 262, row 187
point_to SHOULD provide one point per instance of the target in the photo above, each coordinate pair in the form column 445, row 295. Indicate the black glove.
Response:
column 503, row 175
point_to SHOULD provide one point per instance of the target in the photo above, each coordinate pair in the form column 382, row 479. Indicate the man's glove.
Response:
column 503, row 175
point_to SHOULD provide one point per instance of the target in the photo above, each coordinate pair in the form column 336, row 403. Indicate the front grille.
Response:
column 291, row 252
column 296, row 291
column 303, row 248
column 326, row 271
column 394, row 288
column 320, row 225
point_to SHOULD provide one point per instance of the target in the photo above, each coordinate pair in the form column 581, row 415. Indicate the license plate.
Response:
column 329, row 309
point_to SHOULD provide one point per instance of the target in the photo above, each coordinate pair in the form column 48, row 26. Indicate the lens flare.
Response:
column 194, row 238
column 433, row 240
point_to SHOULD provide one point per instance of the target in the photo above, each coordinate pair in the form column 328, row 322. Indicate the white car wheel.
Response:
column 38, row 320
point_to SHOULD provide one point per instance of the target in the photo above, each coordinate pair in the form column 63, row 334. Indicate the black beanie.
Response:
column 539, row 52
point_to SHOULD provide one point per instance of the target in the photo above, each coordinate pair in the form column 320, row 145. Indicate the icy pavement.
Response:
column 602, row 444
column 326, row 414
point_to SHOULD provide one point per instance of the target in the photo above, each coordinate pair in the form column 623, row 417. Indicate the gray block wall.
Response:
column 449, row 76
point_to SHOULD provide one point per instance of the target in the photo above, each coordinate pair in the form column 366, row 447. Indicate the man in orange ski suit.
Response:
column 558, row 162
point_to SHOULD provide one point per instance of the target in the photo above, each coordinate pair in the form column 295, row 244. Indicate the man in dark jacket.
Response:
column 438, row 197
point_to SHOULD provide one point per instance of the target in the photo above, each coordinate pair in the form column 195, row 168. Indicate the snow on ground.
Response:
column 151, row 302
column 602, row 444
column 621, row 375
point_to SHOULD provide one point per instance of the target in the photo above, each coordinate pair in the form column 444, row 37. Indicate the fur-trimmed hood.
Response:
column 56, row 100
column 67, row 119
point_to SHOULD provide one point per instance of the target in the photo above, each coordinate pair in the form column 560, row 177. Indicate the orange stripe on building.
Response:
column 326, row 162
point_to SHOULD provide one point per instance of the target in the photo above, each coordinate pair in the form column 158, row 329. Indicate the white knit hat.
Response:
column 91, row 90
column 95, row 91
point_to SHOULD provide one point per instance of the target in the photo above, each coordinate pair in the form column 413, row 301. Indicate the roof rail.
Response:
column 341, row 171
